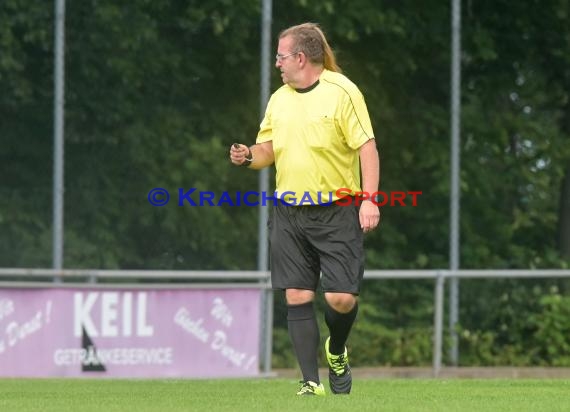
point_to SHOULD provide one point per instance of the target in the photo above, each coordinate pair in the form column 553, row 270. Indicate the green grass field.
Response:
column 274, row 394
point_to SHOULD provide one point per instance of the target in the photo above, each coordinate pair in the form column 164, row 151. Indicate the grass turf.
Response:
column 273, row 395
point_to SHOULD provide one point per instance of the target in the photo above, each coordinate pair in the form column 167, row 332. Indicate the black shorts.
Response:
column 308, row 240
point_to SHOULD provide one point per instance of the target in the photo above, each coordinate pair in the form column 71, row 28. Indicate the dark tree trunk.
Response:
column 564, row 212
column 564, row 216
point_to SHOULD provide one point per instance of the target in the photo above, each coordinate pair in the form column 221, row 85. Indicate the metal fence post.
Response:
column 262, row 252
column 438, row 323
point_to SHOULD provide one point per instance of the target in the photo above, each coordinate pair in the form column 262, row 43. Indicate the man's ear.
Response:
column 302, row 59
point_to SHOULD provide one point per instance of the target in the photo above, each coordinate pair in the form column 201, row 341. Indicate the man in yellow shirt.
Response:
column 317, row 131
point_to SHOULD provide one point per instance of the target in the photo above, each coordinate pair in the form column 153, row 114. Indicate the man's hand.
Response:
column 369, row 216
column 239, row 153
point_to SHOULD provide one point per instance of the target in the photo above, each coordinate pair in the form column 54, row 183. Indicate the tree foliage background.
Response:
column 156, row 91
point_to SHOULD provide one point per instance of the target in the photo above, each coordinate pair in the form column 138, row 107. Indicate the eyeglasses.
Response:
column 280, row 57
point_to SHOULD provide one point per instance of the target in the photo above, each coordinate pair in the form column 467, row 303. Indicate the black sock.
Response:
column 304, row 334
column 339, row 327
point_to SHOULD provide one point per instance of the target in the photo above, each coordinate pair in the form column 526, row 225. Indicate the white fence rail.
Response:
column 24, row 277
column 440, row 275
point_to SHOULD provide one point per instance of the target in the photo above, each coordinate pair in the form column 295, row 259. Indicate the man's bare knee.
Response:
column 299, row 296
column 341, row 302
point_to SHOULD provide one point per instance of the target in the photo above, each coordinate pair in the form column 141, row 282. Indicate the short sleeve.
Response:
column 356, row 124
column 266, row 127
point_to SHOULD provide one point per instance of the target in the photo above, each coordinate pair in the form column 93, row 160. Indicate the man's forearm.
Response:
column 262, row 155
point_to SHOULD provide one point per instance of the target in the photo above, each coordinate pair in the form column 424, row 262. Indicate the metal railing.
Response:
column 440, row 275
column 23, row 277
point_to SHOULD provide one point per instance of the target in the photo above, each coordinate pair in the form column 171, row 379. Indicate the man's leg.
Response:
column 304, row 332
column 295, row 269
column 340, row 315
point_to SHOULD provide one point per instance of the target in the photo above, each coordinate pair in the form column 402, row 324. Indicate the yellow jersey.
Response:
column 316, row 134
